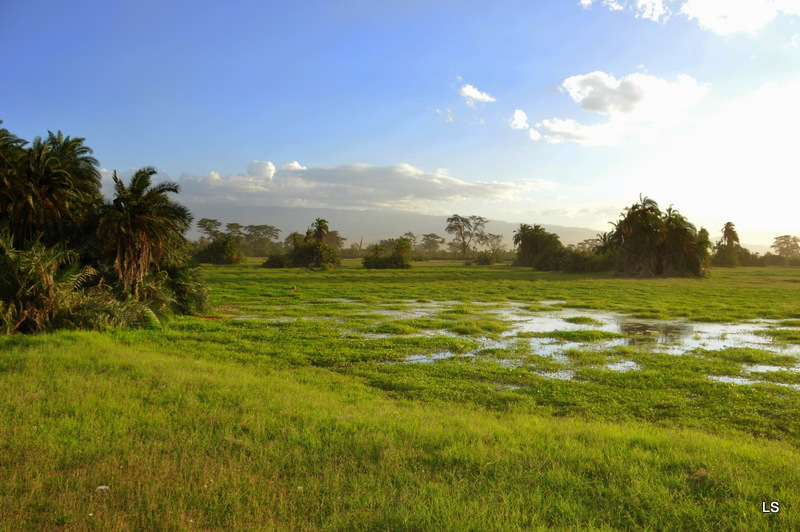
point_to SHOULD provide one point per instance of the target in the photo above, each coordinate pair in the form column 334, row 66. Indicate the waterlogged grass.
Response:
column 573, row 336
column 290, row 407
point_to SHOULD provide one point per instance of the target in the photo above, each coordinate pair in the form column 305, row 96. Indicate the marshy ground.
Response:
column 442, row 397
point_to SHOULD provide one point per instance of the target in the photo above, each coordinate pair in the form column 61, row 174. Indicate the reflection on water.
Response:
column 662, row 336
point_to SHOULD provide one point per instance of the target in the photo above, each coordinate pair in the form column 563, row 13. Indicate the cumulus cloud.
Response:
column 519, row 120
column 637, row 102
column 353, row 186
column 261, row 169
column 722, row 17
column 294, row 165
column 472, row 95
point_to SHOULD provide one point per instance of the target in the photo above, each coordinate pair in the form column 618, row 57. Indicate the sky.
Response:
column 552, row 112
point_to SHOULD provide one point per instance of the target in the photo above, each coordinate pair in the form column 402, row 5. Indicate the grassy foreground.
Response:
column 288, row 409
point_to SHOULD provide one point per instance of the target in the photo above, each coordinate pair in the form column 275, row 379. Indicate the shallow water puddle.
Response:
column 674, row 337
column 660, row 336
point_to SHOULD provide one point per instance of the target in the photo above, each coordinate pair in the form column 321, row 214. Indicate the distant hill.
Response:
column 370, row 225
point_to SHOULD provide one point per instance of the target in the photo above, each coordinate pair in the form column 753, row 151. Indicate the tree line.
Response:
column 69, row 258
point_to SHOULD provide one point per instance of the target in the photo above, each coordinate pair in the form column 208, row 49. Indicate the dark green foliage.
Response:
column 68, row 260
column 314, row 255
column 277, row 260
column 400, row 257
column 311, row 251
column 652, row 243
column 224, row 249
column 575, row 261
column 538, row 248
column 485, row 258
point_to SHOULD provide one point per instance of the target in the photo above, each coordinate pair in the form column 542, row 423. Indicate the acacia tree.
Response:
column 465, row 231
column 431, row 242
column 143, row 226
column 787, row 246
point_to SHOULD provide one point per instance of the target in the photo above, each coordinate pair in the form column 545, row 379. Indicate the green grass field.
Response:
column 291, row 406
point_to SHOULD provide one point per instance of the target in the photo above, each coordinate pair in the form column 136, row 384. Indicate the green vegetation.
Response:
column 291, row 406
column 69, row 259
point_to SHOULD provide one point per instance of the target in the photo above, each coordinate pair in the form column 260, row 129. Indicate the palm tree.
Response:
column 48, row 189
column 729, row 235
column 143, row 226
column 320, row 229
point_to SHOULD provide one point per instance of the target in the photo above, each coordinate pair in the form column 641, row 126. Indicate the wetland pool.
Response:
column 553, row 332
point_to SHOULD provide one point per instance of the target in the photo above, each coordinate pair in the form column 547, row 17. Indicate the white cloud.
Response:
column 472, row 95
column 261, row 169
column 519, row 120
column 636, row 97
column 448, row 114
column 557, row 131
column 723, row 17
column 354, row 186
column 535, row 135
column 650, row 9
column 637, row 103
column 294, row 165
column 794, row 42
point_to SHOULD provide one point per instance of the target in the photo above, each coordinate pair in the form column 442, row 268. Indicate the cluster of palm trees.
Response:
column 645, row 242
column 69, row 258
column 649, row 242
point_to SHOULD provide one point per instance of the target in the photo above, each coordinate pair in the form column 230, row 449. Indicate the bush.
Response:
column 276, row 260
column 314, row 254
column 224, row 249
column 486, row 258
column 389, row 262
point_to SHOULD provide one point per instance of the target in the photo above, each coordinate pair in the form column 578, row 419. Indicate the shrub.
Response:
column 486, row 258
column 224, row 249
column 276, row 260
column 314, row 254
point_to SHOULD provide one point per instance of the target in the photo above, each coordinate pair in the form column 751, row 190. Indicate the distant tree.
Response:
column 335, row 240
column 234, row 229
column 258, row 240
column 412, row 238
column 494, row 243
column 538, row 248
column 209, row 227
column 588, row 245
column 727, row 251
column 465, row 231
column 400, row 256
column 293, row 240
column 376, row 250
column 729, row 235
column 431, row 242
column 787, row 246
column 257, row 232
column 320, row 229
column 224, row 249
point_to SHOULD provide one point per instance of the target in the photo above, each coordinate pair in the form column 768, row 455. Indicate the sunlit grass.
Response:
column 286, row 409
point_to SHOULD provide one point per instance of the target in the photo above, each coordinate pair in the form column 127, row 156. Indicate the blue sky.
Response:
column 558, row 112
